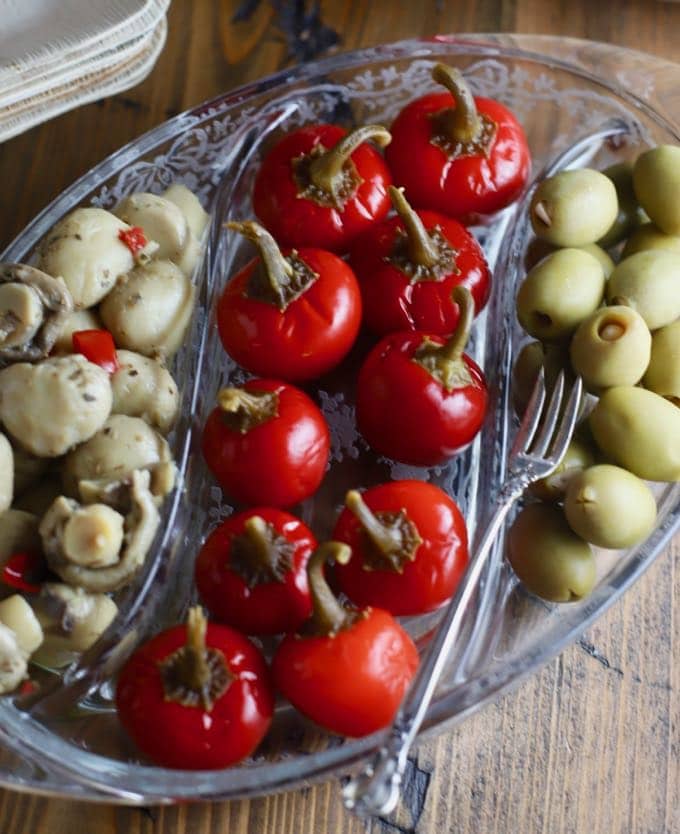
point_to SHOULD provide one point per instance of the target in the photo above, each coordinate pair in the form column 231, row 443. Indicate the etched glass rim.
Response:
column 71, row 771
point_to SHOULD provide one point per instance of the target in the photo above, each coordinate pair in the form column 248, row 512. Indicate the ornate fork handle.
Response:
column 376, row 789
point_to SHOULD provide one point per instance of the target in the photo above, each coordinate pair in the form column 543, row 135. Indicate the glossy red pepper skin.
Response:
column 392, row 301
column 427, row 581
column 300, row 222
column 192, row 737
column 307, row 339
column 269, row 606
column 24, row 571
column 353, row 682
column 97, row 346
column 462, row 187
column 277, row 463
column 406, row 414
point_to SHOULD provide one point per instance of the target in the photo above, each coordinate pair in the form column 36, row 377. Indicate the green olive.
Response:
column 656, row 179
column 629, row 215
column 647, row 236
column 639, row 430
column 663, row 373
column 600, row 255
column 553, row 358
column 538, row 249
column 610, row 507
column 525, row 371
column 611, row 347
column 574, row 208
column 558, row 293
column 649, row 282
column 548, row 557
column 579, row 456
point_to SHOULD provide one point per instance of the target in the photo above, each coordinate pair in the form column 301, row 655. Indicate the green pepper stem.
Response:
column 454, row 348
column 328, row 616
column 262, row 552
column 445, row 362
column 421, row 250
column 325, row 172
column 386, row 540
column 278, row 270
column 232, row 400
column 194, row 671
column 460, row 123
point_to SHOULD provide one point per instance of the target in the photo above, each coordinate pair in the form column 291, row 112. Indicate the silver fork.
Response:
column 540, row 444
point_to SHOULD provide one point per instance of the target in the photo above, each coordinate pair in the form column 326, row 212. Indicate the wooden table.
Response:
column 591, row 744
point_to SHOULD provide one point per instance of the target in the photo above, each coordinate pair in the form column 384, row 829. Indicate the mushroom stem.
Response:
column 328, row 616
column 421, row 250
column 325, row 172
column 460, row 123
column 278, row 270
column 386, row 539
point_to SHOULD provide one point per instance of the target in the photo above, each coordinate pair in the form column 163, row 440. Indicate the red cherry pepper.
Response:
column 408, row 265
column 409, row 547
column 24, row 572
column 196, row 697
column 292, row 315
column 252, row 571
column 421, row 399
column 267, row 443
column 97, row 346
column 349, row 670
column 321, row 187
column 457, row 154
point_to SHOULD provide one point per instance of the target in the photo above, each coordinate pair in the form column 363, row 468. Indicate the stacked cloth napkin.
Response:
column 58, row 55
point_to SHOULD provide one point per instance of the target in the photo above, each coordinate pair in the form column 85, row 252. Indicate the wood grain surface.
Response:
column 591, row 744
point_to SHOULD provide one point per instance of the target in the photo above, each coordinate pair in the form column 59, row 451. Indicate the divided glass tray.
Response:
column 581, row 103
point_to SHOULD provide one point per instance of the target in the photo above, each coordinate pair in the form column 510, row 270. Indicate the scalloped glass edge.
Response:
column 64, row 770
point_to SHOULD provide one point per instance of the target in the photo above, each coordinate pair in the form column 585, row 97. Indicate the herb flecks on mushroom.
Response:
column 85, row 250
column 33, row 307
column 122, row 445
column 150, row 309
column 50, row 407
column 69, row 551
column 143, row 387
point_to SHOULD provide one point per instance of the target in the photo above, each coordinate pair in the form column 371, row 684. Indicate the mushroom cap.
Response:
column 33, row 307
column 122, row 445
column 13, row 665
column 150, row 309
column 6, row 474
column 85, row 250
column 143, row 387
column 53, row 406
column 161, row 220
column 140, row 525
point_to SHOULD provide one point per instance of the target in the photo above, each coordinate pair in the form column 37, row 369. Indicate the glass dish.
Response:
column 580, row 103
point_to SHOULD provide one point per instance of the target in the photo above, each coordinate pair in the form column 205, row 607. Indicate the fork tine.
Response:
column 568, row 422
column 531, row 417
column 540, row 446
